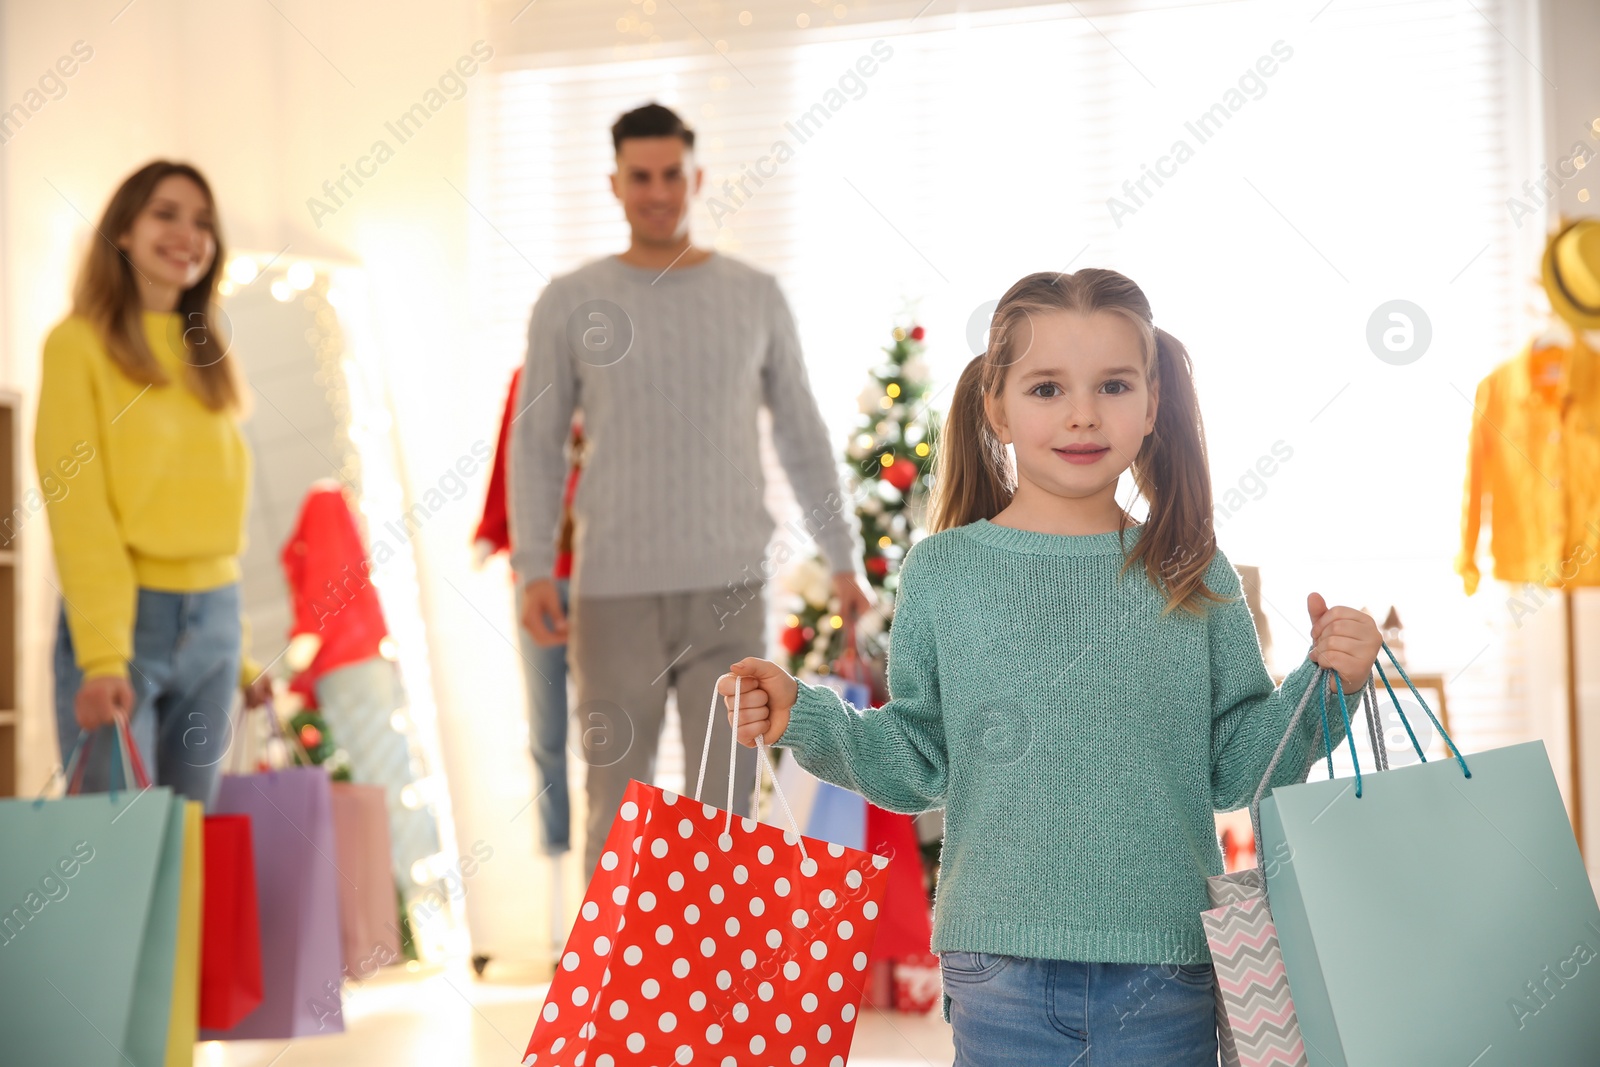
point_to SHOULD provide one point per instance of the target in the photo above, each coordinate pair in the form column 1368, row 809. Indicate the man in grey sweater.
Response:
column 670, row 350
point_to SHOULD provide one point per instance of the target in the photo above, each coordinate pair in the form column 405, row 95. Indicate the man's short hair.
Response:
column 651, row 120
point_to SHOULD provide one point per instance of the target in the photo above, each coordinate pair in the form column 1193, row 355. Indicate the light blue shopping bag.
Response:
column 89, row 888
column 1438, row 913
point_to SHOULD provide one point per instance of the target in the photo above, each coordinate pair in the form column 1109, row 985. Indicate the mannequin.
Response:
column 340, row 651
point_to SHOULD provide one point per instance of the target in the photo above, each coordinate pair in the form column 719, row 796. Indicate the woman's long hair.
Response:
column 974, row 478
column 107, row 294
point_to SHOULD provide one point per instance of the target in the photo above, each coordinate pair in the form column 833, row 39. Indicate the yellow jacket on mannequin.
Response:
column 1534, row 451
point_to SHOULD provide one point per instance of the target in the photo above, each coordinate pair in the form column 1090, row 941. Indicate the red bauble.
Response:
column 916, row 333
column 793, row 640
column 877, row 566
column 900, row 474
column 310, row 736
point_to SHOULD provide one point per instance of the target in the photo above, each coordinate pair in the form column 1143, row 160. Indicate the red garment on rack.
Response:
column 330, row 584
column 494, row 526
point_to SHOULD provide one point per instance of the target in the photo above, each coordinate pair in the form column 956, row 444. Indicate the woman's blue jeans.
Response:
column 185, row 678
column 544, row 671
column 1012, row 1012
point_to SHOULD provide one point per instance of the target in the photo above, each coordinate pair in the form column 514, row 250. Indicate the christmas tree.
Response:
column 890, row 454
column 317, row 746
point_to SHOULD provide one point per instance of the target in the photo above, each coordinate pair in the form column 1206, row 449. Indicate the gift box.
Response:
column 917, row 984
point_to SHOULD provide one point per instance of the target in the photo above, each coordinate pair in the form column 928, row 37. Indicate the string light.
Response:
column 242, row 270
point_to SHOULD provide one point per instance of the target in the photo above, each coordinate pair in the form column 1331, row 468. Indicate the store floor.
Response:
column 443, row 1015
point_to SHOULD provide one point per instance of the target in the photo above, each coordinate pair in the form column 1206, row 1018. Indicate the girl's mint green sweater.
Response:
column 1078, row 741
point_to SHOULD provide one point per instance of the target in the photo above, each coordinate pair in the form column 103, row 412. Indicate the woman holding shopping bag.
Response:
column 1080, row 710
column 139, row 402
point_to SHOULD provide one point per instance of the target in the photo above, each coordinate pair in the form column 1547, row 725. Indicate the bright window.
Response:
column 1335, row 158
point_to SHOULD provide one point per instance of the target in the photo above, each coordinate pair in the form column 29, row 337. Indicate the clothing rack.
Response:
column 1574, row 737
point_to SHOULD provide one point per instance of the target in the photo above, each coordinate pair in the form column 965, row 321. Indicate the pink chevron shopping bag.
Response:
column 1256, row 1023
column 714, row 940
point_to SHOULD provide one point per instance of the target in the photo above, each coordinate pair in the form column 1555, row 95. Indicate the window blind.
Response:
column 1271, row 174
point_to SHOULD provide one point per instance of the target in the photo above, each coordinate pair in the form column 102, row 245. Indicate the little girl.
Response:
column 1079, row 692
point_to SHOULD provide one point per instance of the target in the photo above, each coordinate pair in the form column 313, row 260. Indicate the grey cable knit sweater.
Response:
column 669, row 370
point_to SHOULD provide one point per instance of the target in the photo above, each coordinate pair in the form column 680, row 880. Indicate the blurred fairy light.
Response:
column 300, row 276
column 398, row 721
column 355, row 356
column 242, row 270
column 281, row 291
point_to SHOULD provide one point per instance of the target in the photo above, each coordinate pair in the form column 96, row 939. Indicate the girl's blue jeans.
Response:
column 1011, row 1012
column 185, row 678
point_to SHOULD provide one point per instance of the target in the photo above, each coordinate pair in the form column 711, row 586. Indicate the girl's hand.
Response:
column 766, row 695
column 1344, row 640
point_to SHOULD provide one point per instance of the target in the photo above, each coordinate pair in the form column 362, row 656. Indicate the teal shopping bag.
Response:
column 89, row 890
column 1438, row 913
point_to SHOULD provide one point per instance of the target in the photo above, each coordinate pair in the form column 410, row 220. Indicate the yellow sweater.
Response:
column 156, row 493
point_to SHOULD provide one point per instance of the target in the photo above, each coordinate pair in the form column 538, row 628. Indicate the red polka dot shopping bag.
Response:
column 710, row 939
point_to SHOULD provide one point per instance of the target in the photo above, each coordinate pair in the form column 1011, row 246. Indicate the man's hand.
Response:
column 1344, row 640
column 854, row 601
column 766, row 696
column 101, row 701
column 542, row 616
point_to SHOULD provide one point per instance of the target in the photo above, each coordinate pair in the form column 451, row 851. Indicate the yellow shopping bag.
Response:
column 184, row 1021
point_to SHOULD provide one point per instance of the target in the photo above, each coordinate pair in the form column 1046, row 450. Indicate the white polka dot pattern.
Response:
column 722, row 943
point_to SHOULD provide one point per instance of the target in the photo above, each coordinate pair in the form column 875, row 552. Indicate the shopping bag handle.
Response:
column 1401, row 711
column 1374, row 726
column 1368, row 697
column 1318, row 678
column 141, row 777
column 128, row 763
column 763, row 762
column 240, row 763
column 68, row 771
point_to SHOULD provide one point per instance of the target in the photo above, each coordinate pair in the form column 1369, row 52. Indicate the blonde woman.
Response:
column 138, row 411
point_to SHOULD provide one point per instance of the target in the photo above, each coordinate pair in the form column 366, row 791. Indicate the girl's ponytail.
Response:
column 972, row 478
column 1172, row 472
